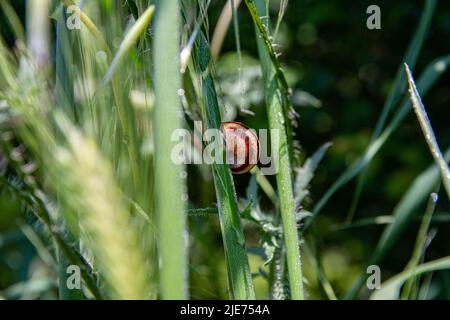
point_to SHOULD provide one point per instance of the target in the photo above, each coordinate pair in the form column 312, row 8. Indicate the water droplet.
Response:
column 434, row 197
column 183, row 174
column 184, row 197
column 181, row 92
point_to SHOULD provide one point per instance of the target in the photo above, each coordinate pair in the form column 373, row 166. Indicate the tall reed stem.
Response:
column 277, row 121
column 170, row 186
column 239, row 276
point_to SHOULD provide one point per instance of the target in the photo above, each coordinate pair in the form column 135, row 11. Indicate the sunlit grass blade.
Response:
column 264, row 39
column 90, row 190
column 429, row 77
column 170, row 185
column 222, row 26
column 279, row 122
column 130, row 39
column 396, row 91
column 428, row 132
column 65, row 101
column 125, row 112
column 239, row 277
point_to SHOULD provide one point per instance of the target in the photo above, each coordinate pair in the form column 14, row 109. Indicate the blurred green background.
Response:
column 328, row 52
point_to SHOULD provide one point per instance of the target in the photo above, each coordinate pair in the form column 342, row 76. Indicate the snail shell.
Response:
column 242, row 146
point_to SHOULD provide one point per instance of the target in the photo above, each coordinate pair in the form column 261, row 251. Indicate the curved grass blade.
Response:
column 130, row 40
column 419, row 191
column 428, row 132
column 428, row 78
column 397, row 90
column 390, row 289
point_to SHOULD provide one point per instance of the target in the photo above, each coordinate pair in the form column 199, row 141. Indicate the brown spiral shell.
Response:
column 242, row 146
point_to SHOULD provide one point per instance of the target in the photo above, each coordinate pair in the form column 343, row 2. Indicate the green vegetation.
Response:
column 91, row 101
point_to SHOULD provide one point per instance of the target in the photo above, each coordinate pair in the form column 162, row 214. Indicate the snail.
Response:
column 242, row 146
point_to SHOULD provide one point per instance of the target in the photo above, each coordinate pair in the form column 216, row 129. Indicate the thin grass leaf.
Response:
column 130, row 40
column 390, row 289
column 428, row 132
column 279, row 122
column 239, row 277
column 429, row 77
column 126, row 113
column 321, row 276
column 222, row 26
column 170, row 197
column 90, row 190
column 286, row 112
column 281, row 12
column 418, row 192
column 396, row 91
column 420, row 245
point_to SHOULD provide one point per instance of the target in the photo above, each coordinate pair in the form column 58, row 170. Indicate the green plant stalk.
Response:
column 64, row 101
column 239, row 276
column 169, row 182
column 420, row 244
column 274, row 102
column 428, row 132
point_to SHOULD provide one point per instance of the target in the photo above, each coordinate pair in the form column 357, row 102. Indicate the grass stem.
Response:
column 171, row 193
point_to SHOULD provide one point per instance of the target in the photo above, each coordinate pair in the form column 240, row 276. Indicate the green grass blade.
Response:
column 126, row 113
column 420, row 245
column 403, row 213
column 265, row 40
column 390, row 289
column 239, row 277
column 169, row 184
column 426, row 81
column 428, row 132
column 277, row 121
column 397, row 90
column 64, row 101
column 130, row 40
